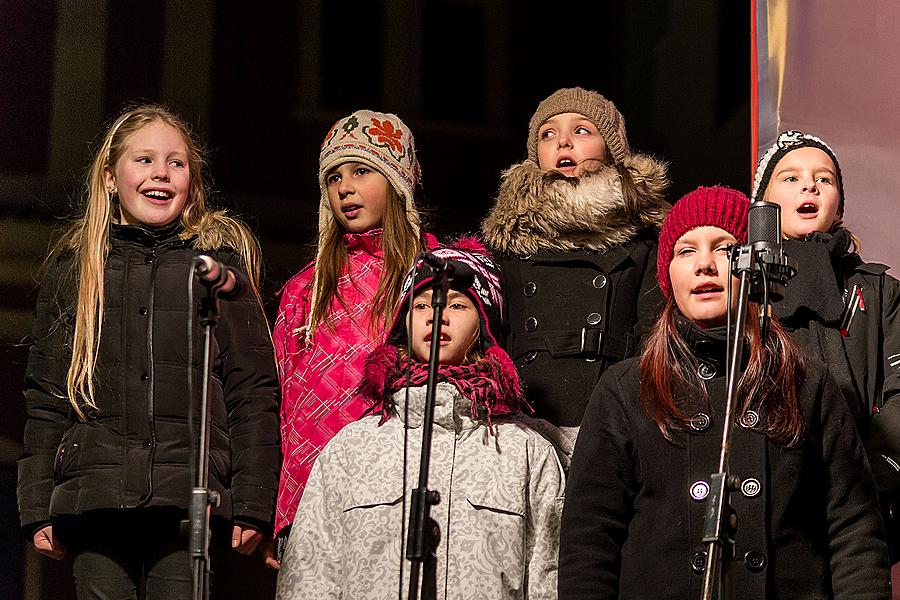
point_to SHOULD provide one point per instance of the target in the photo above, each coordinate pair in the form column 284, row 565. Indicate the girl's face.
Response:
column 571, row 144
column 458, row 333
column 804, row 184
column 151, row 176
column 358, row 195
column 699, row 272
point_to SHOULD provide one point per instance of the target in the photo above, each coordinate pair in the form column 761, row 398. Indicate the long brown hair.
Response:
column 399, row 244
column 88, row 238
column 773, row 374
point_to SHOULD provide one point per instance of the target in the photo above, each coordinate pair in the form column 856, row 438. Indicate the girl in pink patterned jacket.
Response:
column 334, row 311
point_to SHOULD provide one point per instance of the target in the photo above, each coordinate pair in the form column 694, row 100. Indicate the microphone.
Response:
column 220, row 278
column 457, row 271
column 764, row 237
column 438, row 264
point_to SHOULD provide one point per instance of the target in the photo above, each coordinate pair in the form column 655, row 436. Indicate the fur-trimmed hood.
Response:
column 549, row 211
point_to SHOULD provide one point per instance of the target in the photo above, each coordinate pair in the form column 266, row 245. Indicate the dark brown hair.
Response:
column 774, row 371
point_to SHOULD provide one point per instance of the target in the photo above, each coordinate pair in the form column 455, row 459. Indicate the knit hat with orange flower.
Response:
column 379, row 140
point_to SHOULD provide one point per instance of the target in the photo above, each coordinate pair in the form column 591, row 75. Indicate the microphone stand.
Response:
column 202, row 498
column 762, row 266
column 720, row 522
column 424, row 532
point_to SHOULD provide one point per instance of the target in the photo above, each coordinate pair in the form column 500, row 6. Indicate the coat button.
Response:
column 525, row 258
column 148, row 259
column 750, row 419
column 706, row 371
column 145, row 376
column 754, row 561
column 142, row 310
column 699, row 490
column 700, row 422
column 599, row 282
column 147, row 443
column 698, row 562
column 531, row 324
column 530, row 289
column 751, row 487
column 529, row 358
column 593, row 319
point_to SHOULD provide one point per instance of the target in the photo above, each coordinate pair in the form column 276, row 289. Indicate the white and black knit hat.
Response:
column 787, row 142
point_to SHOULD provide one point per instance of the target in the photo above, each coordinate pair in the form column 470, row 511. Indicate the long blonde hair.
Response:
column 400, row 244
column 88, row 238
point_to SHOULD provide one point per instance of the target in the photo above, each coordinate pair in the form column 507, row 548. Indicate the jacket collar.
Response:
column 547, row 211
column 451, row 409
column 148, row 236
column 708, row 345
column 367, row 241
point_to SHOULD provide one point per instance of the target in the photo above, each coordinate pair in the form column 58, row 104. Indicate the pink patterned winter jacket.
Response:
column 319, row 376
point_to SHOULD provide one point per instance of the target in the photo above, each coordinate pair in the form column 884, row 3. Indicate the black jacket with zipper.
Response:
column 133, row 450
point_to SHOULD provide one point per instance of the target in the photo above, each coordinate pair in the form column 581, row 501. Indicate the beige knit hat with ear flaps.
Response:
column 381, row 141
column 602, row 113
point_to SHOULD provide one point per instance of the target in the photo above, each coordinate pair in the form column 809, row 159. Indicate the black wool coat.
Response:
column 808, row 521
column 133, row 450
column 579, row 275
column 573, row 314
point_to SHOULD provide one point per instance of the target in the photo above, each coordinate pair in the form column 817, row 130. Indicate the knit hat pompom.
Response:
column 381, row 141
column 601, row 112
column 717, row 206
column 787, row 142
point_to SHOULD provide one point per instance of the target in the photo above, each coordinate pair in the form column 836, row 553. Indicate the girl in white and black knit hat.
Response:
column 839, row 307
column 336, row 309
column 574, row 227
column 500, row 483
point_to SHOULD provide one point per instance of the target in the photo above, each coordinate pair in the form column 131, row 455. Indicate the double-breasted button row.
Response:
column 750, row 488
column 753, row 561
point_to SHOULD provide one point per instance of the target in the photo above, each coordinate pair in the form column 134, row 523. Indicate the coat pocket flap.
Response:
column 509, row 499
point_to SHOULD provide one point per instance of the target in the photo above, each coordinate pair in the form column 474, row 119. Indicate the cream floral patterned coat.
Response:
column 499, row 514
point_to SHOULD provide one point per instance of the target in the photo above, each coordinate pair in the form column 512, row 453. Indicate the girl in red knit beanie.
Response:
column 639, row 485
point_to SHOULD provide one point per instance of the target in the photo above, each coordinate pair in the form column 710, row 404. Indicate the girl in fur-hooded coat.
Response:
column 575, row 229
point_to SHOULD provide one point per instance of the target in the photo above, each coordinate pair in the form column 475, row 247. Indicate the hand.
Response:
column 245, row 539
column 268, row 550
column 47, row 545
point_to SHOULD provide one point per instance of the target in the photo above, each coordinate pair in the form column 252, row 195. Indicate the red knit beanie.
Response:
column 717, row 206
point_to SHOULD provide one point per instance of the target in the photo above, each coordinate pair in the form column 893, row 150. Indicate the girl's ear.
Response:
column 109, row 179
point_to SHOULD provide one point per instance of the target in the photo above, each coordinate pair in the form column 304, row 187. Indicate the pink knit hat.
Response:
column 717, row 206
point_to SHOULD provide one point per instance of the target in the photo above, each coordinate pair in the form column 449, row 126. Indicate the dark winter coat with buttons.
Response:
column 579, row 276
column 808, row 523
column 133, row 450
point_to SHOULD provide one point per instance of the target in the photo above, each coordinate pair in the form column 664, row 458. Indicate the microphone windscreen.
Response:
column 764, row 223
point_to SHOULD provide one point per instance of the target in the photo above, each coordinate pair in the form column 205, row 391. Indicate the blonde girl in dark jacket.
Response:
column 105, row 478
